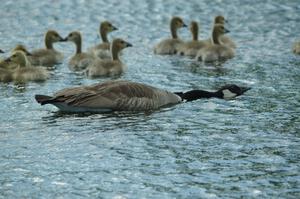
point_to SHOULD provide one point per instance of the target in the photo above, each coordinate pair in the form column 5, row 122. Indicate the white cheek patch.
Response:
column 228, row 94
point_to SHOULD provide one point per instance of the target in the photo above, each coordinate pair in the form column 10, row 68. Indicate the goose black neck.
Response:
column 198, row 94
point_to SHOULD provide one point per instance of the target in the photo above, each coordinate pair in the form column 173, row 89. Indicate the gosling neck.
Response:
column 23, row 62
column 103, row 34
column 48, row 42
column 78, row 44
column 173, row 30
column 215, row 37
column 195, row 33
column 115, row 52
column 198, row 94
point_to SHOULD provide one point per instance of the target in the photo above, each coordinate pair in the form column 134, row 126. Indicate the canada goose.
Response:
column 80, row 60
column 170, row 46
column 1, row 51
column 25, row 72
column 296, row 48
column 48, row 56
column 216, row 51
column 224, row 39
column 107, row 67
column 122, row 95
column 102, row 50
column 191, row 48
column 10, row 65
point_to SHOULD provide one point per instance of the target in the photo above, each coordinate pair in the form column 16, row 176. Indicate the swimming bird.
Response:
column 224, row 39
column 296, row 48
column 216, row 51
column 25, row 72
column 111, row 67
column 191, row 48
column 123, row 95
column 48, row 56
column 170, row 46
column 102, row 50
column 10, row 65
column 80, row 60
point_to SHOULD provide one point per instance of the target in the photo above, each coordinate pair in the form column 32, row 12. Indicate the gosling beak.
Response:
column 114, row 28
column 226, row 31
column 184, row 25
column 63, row 39
column 1, row 51
column 128, row 44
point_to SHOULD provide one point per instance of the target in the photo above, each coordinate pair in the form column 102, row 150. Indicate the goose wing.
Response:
column 117, row 95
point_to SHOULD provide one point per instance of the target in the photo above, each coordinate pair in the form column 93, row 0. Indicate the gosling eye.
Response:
column 122, row 42
column 71, row 34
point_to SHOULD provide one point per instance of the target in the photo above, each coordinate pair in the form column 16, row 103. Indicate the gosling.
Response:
column 111, row 67
column 102, row 50
column 170, row 46
column 216, row 51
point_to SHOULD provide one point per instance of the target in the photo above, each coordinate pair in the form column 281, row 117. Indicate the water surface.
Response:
column 242, row 148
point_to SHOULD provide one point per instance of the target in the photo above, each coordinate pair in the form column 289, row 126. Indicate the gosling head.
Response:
column 177, row 23
column 107, row 27
column 53, row 36
column 22, row 48
column 120, row 44
column 19, row 58
column 231, row 90
column 74, row 37
column 220, row 20
column 219, row 29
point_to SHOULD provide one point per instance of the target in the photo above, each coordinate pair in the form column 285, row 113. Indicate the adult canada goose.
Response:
column 122, row 95
column 102, row 50
column 170, row 46
column 216, row 51
column 25, row 72
column 296, row 48
column 80, row 60
column 191, row 48
column 48, row 56
column 107, row 67
column 224, row 39
column 1, row 51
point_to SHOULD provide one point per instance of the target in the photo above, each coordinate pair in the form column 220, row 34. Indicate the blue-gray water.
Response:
column 242, row 148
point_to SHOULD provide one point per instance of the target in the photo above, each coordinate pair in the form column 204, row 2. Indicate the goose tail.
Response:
column 43, row 99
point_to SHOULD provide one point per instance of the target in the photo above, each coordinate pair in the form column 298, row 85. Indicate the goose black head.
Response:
column 230, row 91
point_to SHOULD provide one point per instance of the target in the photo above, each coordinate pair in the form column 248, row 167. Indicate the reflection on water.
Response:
column 210, row 148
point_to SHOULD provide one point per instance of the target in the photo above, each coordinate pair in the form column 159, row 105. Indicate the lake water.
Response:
column 248, row 147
